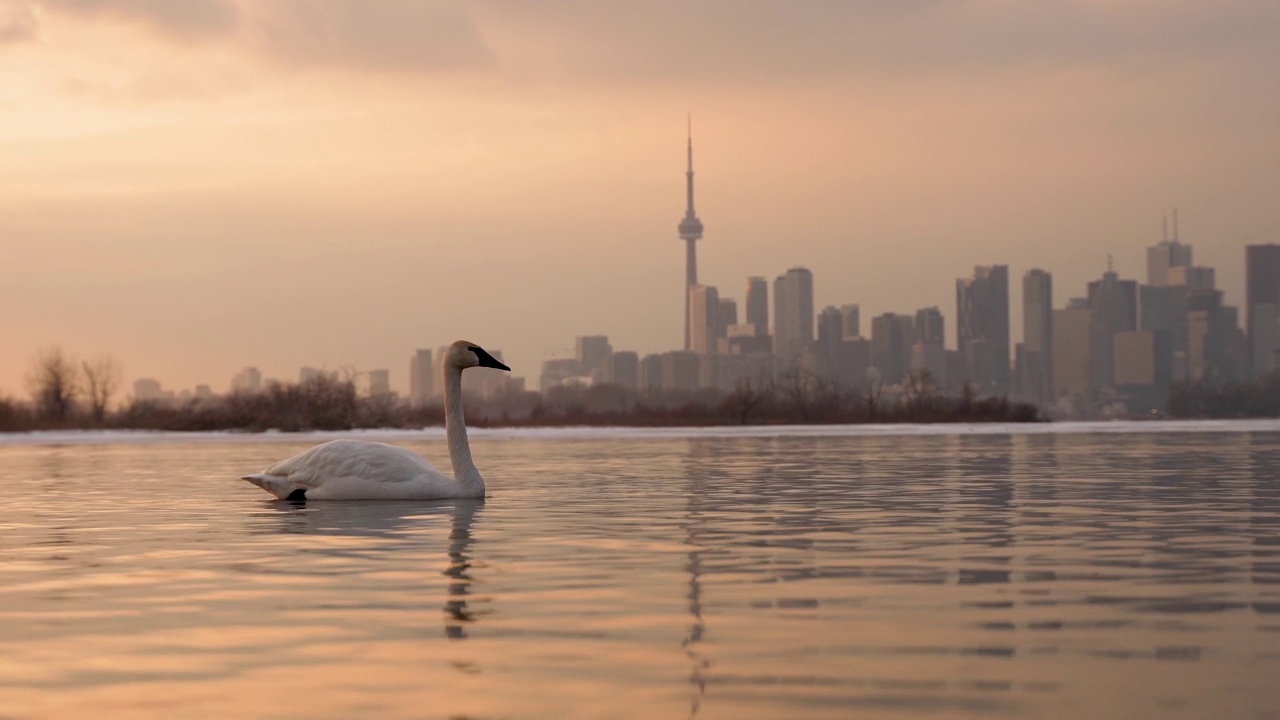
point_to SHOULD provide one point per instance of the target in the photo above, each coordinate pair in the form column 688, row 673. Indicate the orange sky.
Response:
column 193, row 186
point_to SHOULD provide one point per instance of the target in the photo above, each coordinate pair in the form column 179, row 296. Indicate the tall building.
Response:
column 248, row 380
column 1216, row 348
column 928, row 352
column 421, row 377
column 1035, row 372
column 1071, row 352
column 982, row 326
column 147, row 390
column 1262, row 288
column 1168, row 260
column 591, row 351
column 728, row 317
column 1162, row 309
column 1113, row 307
column 892, row 336
column 758, row 304
column 691, row 232
column 379, row 382
column 623, row 369
column 850, row 315
column 704, row 319
column 792, row 316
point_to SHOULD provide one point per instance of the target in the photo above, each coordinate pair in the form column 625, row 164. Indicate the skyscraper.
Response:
column 591, row 352
column 1113, row 308
column 1071, row 352
column 982, row 326
column 1036, row 370
column 421, row 377
column 379, row 382
column 891, row 338
column 792, row 316
column 690, row 231
column 928, row 351
column 1262, row 288
column 758, row 304
column 704, row 319
column 851, row 316
column 1167, row 255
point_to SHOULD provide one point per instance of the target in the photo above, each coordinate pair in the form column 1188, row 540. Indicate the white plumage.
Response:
column 363, row 470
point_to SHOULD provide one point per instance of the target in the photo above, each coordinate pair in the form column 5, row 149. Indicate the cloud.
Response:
column 181, row 19
column 399, row 35
column 17, row 22
column 763, row 40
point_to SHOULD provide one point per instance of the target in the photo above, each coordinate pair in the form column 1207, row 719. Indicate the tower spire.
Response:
column 690, row 231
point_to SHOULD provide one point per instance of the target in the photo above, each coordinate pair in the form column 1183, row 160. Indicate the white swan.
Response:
column 363, row 470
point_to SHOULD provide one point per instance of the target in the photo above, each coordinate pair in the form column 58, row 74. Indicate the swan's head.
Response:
column 463, row 354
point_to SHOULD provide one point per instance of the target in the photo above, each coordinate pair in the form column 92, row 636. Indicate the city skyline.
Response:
column 191, row 198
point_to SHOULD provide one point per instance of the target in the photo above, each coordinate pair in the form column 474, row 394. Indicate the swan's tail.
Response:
column 274, row 484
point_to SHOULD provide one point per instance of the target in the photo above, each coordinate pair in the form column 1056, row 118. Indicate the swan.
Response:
column 364, row 470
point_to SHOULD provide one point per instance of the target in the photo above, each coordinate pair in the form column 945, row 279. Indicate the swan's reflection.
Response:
column 394, row 522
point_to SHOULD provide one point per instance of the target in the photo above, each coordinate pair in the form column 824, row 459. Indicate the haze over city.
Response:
column 194, row 187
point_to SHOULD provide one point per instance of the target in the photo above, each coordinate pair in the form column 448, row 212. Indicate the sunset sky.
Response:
column 193, row 186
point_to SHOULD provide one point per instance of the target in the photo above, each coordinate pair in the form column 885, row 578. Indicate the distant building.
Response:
column 1192, row 278
column 1113, row 307
column 1262, row 288
column 792, row 316
column 557, row 371
column 704, row 319
column 744, row 340
column 1035, row 369
column 928, row 351
column 248, row 380
column 1265, row 340
column 892, row 336
column 379, row 382
column 651, row 374
column 623, row 369
column 681, row 371
column 728, row 316
column 753, row 369
column 1216, row 348
column 1162, row 309
column 591, row 352
column 1163, row 257
column 690, row 229
column 850, row 315
column 1072, row 352
column 757, row 301
column 147, row 390
column 982, row 326
column 204, row 392
column 307, row 374
column 421, row 377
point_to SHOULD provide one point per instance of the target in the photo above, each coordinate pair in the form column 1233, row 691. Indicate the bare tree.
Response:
column 53, row 383
column 101, row 380
column 797, row 385
column 747, row 395
column 872, row 390
column 920, row 390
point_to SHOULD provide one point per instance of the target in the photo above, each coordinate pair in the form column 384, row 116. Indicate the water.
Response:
column 775, row 574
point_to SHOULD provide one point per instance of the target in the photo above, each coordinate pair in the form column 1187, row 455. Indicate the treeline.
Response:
column 1211, row 399
column 326, row 403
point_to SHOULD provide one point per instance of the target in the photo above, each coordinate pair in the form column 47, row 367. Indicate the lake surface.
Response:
column 1069, row 571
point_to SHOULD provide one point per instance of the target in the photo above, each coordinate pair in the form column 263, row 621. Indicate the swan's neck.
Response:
column 455, row 425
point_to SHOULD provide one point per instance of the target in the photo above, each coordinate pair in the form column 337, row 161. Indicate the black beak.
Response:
column 489, row 361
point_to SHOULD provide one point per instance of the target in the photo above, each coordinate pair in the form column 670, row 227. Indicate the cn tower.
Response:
column 690, row 232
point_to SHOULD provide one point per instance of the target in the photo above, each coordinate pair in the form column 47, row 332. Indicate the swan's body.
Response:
column 363, row 470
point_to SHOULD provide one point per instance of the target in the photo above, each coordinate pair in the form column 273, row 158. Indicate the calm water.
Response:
column 1063, row 574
